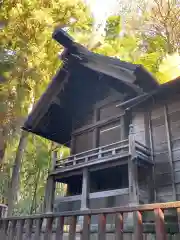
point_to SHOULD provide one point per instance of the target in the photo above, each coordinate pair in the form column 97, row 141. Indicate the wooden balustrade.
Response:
column 51, row 226
column 105, row 153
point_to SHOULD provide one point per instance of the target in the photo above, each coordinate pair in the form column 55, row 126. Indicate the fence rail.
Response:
column 30, row 227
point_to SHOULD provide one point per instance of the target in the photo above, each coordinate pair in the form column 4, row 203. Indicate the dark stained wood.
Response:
column 115, row 98
column 170, row 150
column 54, row 88
column 48, row 231
column 85, row 235
column 12, row 230
column 103, row 122
column 95, row 131
column 101, row 227
column 20, row 228
column 72, row 228
column 85, row 189
column 49, row 195
column 38, row 227
column 122, row 209
column 138, row 226
column 152, row 157
column 160, row 224
column 4, row 228
column 28, row 231
column 132, row 169
column 73, row 144
column 119, row 226
column 60, row 228
column 178, row 218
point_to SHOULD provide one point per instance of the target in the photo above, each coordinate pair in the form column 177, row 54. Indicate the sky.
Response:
column 101, row 9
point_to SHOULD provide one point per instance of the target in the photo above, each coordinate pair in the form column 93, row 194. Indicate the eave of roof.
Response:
column 130, row 77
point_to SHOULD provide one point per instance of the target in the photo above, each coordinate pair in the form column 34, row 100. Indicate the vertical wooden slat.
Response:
column 102, row 227
column 4, row 229
column 72, row 228
column 38, row 228
column 152, row 156
column 12, row 230
column 178, row 217
column 60, row 228
column 86, row 228
column 48, row 231
column 170, row 151
column 95, row 131
column 20, row 227
column 138, row 226
column 29, row 224
column 119, row 226
column 159, row 225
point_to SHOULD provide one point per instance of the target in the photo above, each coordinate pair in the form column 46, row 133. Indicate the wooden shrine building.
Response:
column 122, row 127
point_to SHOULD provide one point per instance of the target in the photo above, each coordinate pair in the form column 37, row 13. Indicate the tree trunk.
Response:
column 14, row 183
column 33, row 205
column 2, row 144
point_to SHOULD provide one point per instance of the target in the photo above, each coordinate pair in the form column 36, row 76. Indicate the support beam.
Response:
column 154, row 193
column 49, row 195
column 85, row 190
column 54, row 157
column 132, row 170
column 170, row 151
column 95, row 131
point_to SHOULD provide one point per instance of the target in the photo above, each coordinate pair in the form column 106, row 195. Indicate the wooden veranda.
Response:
column 52, row 226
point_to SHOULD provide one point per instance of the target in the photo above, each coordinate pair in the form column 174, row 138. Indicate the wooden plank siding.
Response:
column 164, row 139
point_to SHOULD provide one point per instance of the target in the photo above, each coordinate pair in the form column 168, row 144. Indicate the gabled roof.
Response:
column 53, row 121
column 125, row 72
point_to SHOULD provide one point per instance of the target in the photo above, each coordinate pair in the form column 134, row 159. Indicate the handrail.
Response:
column 122, row 209
column 53, row 227
column 94, row 149
column 92, row 155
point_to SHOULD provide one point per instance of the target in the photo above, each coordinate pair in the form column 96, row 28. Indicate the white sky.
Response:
column 101, row 9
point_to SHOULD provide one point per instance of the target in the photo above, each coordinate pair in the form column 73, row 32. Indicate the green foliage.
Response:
column 26, row 72
column 113, row 27
column 28, row 35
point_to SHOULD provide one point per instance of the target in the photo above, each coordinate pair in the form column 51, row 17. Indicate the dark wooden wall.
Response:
column 101, row 126
column 165, row 132
column 158, row 126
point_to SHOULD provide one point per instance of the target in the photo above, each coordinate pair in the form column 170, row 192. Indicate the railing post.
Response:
column 132, row 149
column 160, row 225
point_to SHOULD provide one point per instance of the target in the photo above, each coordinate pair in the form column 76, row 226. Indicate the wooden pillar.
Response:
column 95, row 131
column 122, row 128
column 85, row 190
column 53, row 159
column 170, row 151
column 133, row 169
column 73, row 144
column 49, row 194
column 153, row 187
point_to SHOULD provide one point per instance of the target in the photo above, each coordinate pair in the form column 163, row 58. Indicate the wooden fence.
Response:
column 51, row 226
